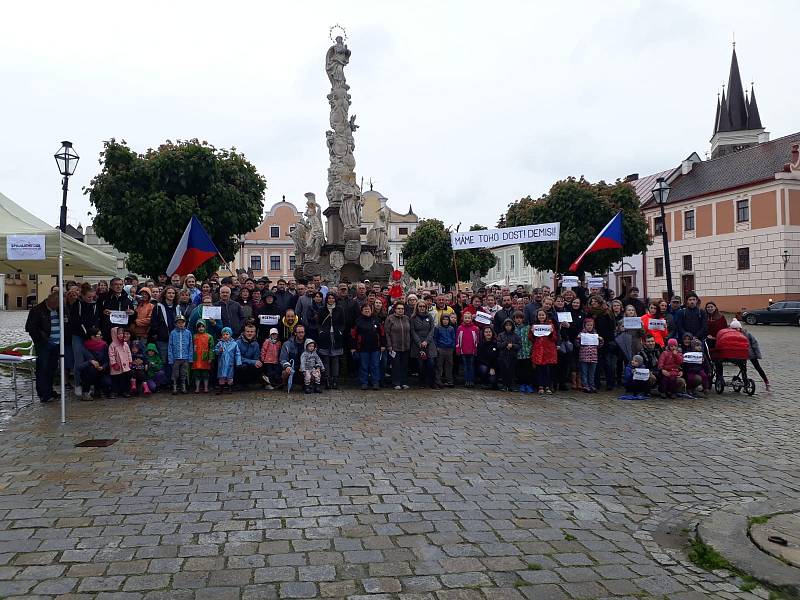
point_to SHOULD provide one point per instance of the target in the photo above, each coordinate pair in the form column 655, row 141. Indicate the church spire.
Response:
column 724, row 120
column 753, row 118
column 716, row 117
column 737, row 108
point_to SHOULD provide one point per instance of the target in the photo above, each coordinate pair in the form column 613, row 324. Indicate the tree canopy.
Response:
column 428, row 255
column 144, row 201
column 583, row 209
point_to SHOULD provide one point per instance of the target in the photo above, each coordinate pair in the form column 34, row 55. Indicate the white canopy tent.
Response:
column 63, row 254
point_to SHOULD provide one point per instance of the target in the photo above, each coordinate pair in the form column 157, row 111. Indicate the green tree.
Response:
column 144, row 201
column 428, row 255
column 583, row 209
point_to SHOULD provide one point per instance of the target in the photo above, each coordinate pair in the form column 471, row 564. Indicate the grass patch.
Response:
column 569, row 537
column 748, row 586
column 520, row 583
column 758, row 520
column 535, row 566
column 706, row 557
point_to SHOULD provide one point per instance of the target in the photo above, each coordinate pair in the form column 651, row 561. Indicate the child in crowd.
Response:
column 508, row 345
column 203, row 355
column 93, row 365
column 270, row 354
column 119, row 357
column 467, row 339
column 587, row 355
column 155, row 368
column 228, row 358
column 444, row 335
column 650, row 353
column 687, row 343
column 179, row 353
column 633, row 379
column 755, row 351
column 543, row 353
column 697, row 373
column 523, row 368
column 670, row 363
column 311, row 366
column 138, row 369
column 486, row 359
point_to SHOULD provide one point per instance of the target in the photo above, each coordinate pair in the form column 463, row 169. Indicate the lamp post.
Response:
column 660, row 194
column 66, row 159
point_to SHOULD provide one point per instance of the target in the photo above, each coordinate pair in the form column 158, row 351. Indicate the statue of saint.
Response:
column 336, row 59
column 299, row 236
column 379, row 234
column 350, row 210
column 316, row 232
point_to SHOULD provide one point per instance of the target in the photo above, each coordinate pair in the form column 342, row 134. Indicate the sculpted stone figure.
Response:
column 336, row 58
column 350, row 210
column 379, row 235
column 316, row 232
column 299, row 236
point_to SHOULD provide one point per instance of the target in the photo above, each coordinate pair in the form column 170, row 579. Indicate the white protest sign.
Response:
column 267, row 319
column 570, row 281
column 483, row 318
column 641, row 374
column 490, row 238
column 118, row 317
column 564, row 317
column 632, row 322
column 25, row 247
column 693, row 358
column 542, row 330
column 590, row 339
column 212, row 312
column 595, row 283
column 657, row 325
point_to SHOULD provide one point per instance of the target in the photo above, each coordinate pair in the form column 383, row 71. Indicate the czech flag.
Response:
column 193, row 250
column 609, row 238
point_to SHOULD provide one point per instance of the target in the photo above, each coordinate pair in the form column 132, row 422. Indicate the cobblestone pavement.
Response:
column 456, row 495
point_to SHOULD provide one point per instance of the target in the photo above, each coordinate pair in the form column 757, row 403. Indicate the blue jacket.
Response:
column 181, row 346
column 444, row 337
column 690, row 320
column 250, row 351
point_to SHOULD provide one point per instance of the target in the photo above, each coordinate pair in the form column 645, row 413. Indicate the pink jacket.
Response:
column 270, row 351
column 119, row 354
column 467, row 337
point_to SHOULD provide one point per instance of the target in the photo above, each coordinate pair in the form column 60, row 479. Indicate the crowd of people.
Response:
column 180, row 335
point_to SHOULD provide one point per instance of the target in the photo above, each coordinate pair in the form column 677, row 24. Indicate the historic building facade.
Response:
column 268, row 251
column 400, row 225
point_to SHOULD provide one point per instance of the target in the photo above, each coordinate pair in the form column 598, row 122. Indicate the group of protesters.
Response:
column 178, row 334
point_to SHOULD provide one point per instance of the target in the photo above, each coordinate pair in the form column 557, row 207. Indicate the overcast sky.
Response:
column 463, row 106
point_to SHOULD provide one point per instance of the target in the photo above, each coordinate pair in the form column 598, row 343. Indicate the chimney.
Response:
column 631, row 177
column 686, row 166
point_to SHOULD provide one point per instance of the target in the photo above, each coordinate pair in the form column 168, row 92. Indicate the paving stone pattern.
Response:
column 444, row 495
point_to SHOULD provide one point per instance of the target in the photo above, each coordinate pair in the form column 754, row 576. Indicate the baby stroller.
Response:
column 731, row 347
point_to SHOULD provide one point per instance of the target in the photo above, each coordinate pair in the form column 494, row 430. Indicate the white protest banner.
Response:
column 641, row 374
column 542, row 330
column 25, row 247
column 632, row 322
column 490, row 238
column 590, row 339
column 693, row 358
column 595, row 283
column 564, row 317
column 483, row 318
column 212, row 312
column 570, row 281
column 267, row 319
column 118, row 317
column 657, row 325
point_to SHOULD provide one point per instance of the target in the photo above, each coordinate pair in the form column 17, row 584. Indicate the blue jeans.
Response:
column 469, row 367
column 369, row 367
column 77, row 351
column 587, row 374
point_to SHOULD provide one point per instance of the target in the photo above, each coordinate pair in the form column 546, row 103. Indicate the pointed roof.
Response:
column 716, row 116
column 737, row 109
column 724, row 120
column 753, row 118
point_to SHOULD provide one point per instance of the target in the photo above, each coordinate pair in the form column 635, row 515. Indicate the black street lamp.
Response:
column 660, row 193
column 66, row 159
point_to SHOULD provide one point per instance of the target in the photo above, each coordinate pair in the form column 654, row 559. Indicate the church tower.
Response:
column 737, row 124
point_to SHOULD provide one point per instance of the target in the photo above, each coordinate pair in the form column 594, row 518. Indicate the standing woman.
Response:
column 664, row 306
column 423, row 348
column 185, row 305
column 716, row 322
column 268, row 309
column 398, row 344
column 543, row 352
column 367, row 341
column 330, row 339
column 247, row 305
column 143, row 316
column 572, row 333
column 313, row 314
column 163, row 322
column 84, row 315
column 654, row 312
column 380, row 313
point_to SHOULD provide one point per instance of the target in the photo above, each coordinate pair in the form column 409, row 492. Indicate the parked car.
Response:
column 777, row 312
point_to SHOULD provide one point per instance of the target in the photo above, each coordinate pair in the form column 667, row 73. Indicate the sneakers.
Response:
column 405, row 387
column 146, row 389
column 398, row 387
column 79, row 391
column 268, row 387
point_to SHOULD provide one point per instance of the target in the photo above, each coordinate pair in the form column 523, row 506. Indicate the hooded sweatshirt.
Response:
column 119, row 354
column 154, row 361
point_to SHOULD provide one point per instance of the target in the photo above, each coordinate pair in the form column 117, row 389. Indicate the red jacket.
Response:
column 270, row 351
column 543, row 349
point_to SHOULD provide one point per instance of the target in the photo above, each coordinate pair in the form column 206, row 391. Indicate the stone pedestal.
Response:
column 334, row 265
column 335, row 233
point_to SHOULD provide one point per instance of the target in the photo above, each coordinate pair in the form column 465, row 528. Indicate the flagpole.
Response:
column 225, row 262
column 455, row 266
column 555, row 271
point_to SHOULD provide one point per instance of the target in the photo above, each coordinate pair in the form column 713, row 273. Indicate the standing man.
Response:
column 633, row 299
column 115, row 300
column 690, row 319
column 283, row 297
column 232, row 313
column 45, row 330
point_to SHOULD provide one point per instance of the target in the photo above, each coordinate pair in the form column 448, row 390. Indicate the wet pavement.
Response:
column 447, row 495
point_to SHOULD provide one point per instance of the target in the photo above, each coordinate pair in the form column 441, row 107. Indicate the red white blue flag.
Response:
column 193, row 250
column 609, row 238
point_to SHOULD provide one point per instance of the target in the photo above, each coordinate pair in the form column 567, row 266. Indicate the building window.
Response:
column 401, row 262
column 687, row 262
column 511, row 262
column 255, row 262
column 292, row 228
column 659, row 267
column 19, row 302
column 403, row 230
column 32, row 277
column 688, row 220
column 292, row 262
column 658, row 226
column 363, row 231
column 274, row 263
column 742, row 211
column 274, row 231
column 499, row 263
column 743, row 258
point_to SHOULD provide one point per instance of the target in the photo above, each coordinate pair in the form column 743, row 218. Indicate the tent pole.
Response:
column 61, row 292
